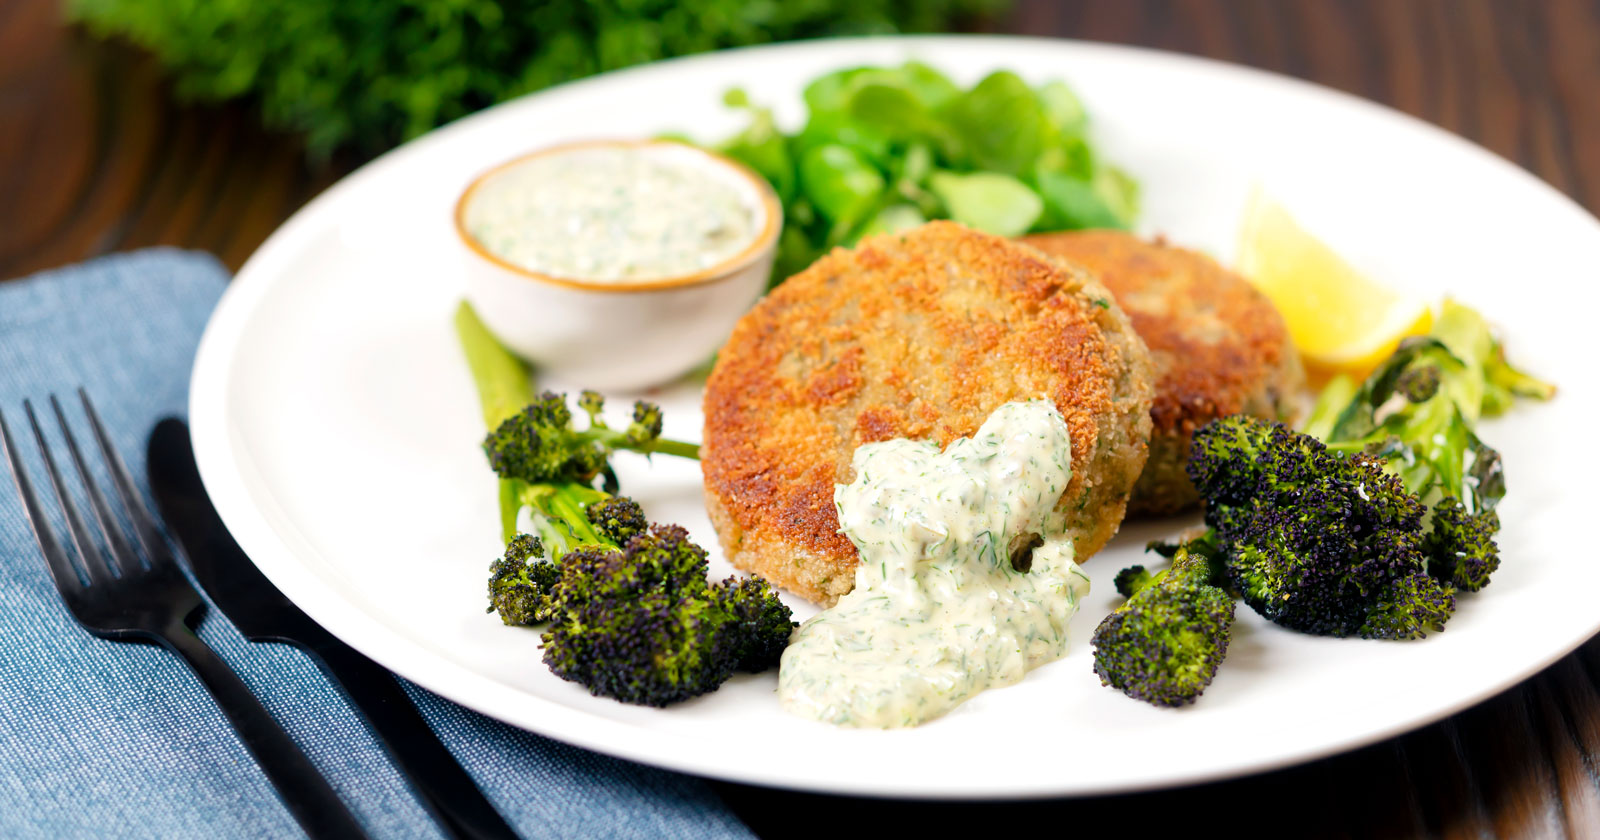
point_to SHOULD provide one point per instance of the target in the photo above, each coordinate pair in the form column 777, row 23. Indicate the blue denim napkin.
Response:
column 105, row 739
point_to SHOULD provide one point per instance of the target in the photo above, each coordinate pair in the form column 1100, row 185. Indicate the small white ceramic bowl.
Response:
column 623, row 335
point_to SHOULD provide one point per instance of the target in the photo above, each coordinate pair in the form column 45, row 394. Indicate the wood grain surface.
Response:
column 96, row 157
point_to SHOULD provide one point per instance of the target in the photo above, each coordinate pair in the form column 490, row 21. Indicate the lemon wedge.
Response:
column 1341, row 321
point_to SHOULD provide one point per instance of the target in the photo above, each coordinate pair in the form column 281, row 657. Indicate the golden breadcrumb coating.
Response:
column 920, row 334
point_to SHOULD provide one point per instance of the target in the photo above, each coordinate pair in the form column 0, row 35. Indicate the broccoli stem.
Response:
column 554, row 539
column 559, row 515
column 566, row 504
column 511, row 493
column 617, row 439
column 504, row 382
column 682, row 449
column 505, row 389
column 1331, row 402
column 504, row 386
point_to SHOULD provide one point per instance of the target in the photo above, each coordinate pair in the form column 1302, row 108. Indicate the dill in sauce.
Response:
column 939, row 612
column 610, row 212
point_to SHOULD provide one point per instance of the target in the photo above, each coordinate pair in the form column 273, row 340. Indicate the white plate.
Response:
column 337, row 429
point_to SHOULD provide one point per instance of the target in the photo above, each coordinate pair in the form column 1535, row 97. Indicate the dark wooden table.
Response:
column 95, row 157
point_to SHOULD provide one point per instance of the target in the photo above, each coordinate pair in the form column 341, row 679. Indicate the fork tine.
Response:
column 123, row 558
column 61, row 569
column 144, row 524
column 88, row 552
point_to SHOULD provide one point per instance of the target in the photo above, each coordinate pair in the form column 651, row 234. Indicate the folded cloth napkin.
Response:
column 106, row 739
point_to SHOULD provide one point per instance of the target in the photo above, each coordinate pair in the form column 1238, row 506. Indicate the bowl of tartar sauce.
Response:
column 617, row 264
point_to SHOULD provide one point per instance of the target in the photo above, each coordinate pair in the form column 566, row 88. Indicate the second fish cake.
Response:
column 1218, row 347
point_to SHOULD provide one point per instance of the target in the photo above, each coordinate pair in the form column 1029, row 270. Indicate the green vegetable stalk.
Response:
column 629, row 612
column 504, row 385
column 1418, row 410
column 1368, row 523
column 543, row 461
column 504, row 382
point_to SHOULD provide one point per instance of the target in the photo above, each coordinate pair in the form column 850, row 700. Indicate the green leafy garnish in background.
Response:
column 887, row 148
column 368, row 74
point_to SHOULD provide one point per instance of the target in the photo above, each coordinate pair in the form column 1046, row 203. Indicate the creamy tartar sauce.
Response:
column 610, row 212
column 939, row 612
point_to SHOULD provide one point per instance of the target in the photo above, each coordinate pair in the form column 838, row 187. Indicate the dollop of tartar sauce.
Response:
column 939, row 613
column 611, row 212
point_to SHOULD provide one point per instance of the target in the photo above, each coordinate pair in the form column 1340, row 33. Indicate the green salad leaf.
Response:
column 988, row 201
column 887, row 148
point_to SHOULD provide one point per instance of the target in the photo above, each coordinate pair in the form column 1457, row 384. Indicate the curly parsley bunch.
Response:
column 369, row 74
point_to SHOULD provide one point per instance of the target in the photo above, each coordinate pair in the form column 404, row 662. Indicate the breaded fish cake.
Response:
column 917, row 335
column 1219, row 346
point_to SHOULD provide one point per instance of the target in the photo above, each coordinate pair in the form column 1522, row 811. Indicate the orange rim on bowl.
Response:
column 771, row 222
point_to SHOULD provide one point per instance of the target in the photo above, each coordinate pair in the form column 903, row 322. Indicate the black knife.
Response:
column 263, row 614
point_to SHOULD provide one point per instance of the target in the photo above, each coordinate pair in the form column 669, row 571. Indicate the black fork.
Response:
column 119, row 597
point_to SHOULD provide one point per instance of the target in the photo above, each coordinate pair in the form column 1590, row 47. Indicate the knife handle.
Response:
column 306, row 794
column 437, row 778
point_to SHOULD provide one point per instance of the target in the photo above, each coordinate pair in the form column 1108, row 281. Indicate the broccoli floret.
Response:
column 1408, row 608
column 1418, row 384
column 539, row 445
column 766, row 623
column 646, row 426
column 592, row 403
column 1131, row 580
column 1460, row 545
column 631, row 613
column 642, row 625
column 1238, row 461
column 655, row 652
column 521, row 583
column 1315, row 540
column 1201, row 539
column 1165, row 644
column 1318, row 573
column 617, row 519
column 1371, row 533
column 664, row 558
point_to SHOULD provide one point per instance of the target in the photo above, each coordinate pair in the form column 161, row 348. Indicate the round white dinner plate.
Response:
column 337, row 428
